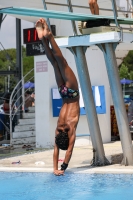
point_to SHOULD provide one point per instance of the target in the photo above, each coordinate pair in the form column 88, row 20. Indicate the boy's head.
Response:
column 62, row 140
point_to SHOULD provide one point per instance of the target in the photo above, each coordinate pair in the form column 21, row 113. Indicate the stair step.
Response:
column 25, row 130
column 20, row 145
column 28, row 115
column 21, row 141
column 23, row 134
column 31, row 109
column 29, row 127
column 26, row 121
column 4, row 142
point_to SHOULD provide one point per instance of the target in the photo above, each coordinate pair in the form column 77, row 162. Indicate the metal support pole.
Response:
column 23, row 94
column 114, row 80
column 45, row 7
column 131, row 8
column 8, row 86
column 115, row 11
column 5, row 84
column 90, row 109
column 115, row 16
column 73, row 22
column 19, row 63
column 1, row 19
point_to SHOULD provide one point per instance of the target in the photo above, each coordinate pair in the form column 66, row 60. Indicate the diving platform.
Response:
column 91, row 36
column 94, row 38
column 79, row 40
column 61, row 15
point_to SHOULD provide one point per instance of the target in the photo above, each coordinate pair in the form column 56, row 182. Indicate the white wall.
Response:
column 42, row 102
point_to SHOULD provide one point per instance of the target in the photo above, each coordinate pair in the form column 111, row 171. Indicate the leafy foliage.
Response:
column 8, row 58
column 126, row 68
column 131, row 75
column 128, row 61
column 124, row 72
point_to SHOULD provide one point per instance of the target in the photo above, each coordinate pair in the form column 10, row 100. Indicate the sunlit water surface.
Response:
column 46, row 186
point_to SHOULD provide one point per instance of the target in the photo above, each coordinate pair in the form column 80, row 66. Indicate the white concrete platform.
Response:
column 79, row 163
column 94, row 38
column 114, row 169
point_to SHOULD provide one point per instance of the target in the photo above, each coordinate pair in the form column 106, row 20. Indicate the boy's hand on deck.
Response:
column 58, row 172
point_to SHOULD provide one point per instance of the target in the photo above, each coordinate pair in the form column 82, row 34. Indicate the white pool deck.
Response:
column 80, row 161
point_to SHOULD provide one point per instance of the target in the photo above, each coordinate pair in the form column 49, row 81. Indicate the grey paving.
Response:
column 41, row 160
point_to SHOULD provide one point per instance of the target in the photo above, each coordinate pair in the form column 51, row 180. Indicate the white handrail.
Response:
column 12, row 103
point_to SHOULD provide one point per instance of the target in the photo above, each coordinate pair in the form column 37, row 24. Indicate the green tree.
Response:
column 8, row 58
column 124, row 72
column 131, row 75
column 128, row 61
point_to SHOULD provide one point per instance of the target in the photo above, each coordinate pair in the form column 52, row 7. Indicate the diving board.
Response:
column 92, row 39
column 61, row 15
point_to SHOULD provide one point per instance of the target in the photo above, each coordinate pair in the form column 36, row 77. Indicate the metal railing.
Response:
column 14, row 98
column 86, row 7
column 114, row 10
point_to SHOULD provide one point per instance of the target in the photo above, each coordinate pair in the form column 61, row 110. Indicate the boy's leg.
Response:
column 49, row 54
column 66, row 72
column 94, row 7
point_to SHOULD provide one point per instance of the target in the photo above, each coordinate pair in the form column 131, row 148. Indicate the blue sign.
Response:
column 99, row 98
column 101, row 109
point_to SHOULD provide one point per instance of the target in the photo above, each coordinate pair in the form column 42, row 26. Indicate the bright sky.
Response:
column 8, row 32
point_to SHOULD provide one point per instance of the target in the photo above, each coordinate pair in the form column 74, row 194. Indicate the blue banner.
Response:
column 99, row 99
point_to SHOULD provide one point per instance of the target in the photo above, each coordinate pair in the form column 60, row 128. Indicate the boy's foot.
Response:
column 42, row 29
column 39, row 29
column 46, row 30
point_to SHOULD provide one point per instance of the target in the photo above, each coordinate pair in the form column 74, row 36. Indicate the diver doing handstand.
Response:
column 65, row 132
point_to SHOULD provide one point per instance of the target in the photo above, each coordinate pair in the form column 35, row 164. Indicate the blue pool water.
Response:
column 46, row 186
